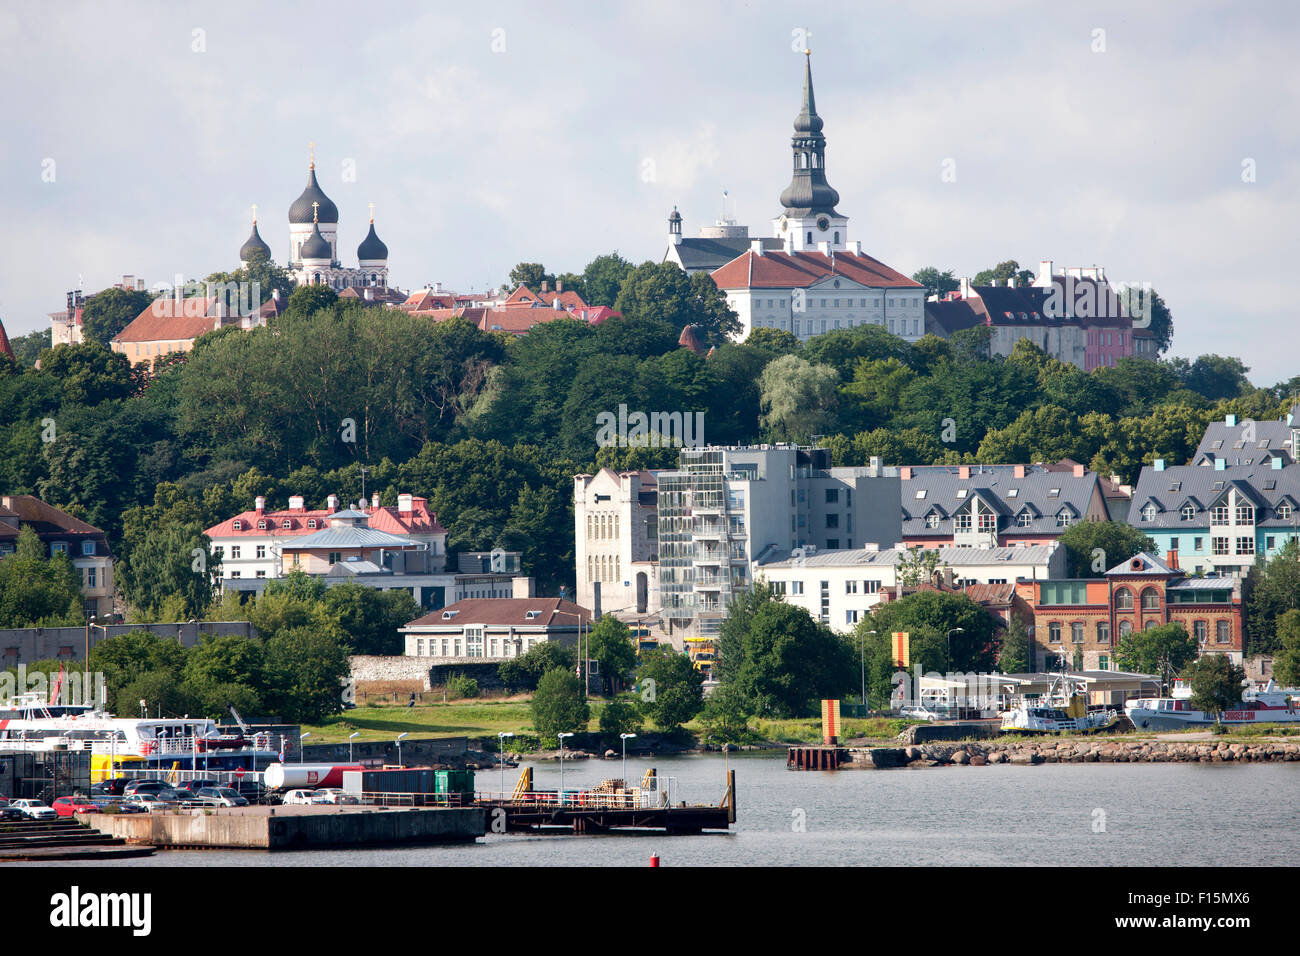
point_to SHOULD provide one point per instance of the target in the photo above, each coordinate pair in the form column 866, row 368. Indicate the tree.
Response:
column 1117, row 543
column 524, row 672
column 1272, row 589
column 788, row 661
column 1286, row 661
column 28, row 348
column 917, row 567
column 971, row 344
column 933, row 618
column 1003, row 271
column 664, row 292
column 936, row 283
column 305, row 669
column 603, row 278
column 1216, row 683
column 89, row 373
column 225, row 670
column 558, row 705
column 1164, row 649
column 309, row 300
column 610, row 644
column 798, row 399
column 726, row 715
column 262, row 272
column 107, row 313
column 1016, row 652
column 371, row 617
column 1215, row 376
column 672, row 690
column 36, row 591
column 618, row 716
column 530, row 275
column 773, row 341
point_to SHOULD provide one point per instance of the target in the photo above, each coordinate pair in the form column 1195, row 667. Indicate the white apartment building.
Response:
column 616, row 541
column 840, row 588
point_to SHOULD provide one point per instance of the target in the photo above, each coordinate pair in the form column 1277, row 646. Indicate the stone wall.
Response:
column 430, row 671
column 23, row 645
column 1098, row 750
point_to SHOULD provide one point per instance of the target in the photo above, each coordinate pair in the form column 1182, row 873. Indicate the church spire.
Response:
column 808, row 121
column 808, row 193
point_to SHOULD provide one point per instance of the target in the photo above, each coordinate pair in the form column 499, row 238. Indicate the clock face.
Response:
column 823, row 223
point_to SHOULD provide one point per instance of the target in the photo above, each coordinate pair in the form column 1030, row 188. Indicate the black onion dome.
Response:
column 372, row 248
column 316, row 246
column 254, row 244
column 302, row 212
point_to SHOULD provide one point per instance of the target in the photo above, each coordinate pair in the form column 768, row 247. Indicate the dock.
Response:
column 811, row 757
column 67, row 838
column 294, row 827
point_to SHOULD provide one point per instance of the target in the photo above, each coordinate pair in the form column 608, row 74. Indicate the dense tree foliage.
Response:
column 558, row 705
column 1164, row 650
column 1272, row 590
column 107, row 313
column 1094, row 547
column 671, row 690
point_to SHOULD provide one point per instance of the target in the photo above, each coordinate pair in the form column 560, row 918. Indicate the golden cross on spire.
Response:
column 312, row 146
column 372, row 214
column 315, row 212
column 255, row 214
column 807, row 39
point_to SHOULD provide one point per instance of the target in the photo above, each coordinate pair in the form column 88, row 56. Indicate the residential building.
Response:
column 497, row 629
column 65, row 326
column 172, row 323
column 616, row 534
column 1089, row 616
column 61, row 533
column 1219, row 517
column 402, row 546
column 724, row 507
column 982, row 506
column 840, row 588
column 1248, row 442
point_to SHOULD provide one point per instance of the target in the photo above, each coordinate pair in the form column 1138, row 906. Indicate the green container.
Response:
column 454, row 781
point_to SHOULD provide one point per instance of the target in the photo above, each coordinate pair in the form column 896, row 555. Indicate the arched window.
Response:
column 261, row 525
column 1150, row 599
column 1124, row 599
column 810, row 237
column 287, row 524
column 837, row 237
column 1124, row 628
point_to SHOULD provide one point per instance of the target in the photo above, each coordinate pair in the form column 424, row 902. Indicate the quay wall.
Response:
column 1092, row 750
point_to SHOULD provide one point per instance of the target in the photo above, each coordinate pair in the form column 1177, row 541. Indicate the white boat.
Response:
column 1063, row 709
column 1268, row 705
column 127, row 744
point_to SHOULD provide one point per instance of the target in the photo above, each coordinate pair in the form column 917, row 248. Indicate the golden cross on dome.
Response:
column 315, row 212
column 312, row 146
column 372, row 213
column 255, row 214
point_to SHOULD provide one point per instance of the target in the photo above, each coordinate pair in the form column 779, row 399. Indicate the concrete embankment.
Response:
column 295, row 828
column 1102, row 750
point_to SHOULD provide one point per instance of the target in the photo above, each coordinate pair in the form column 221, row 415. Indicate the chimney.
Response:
column 1171, row 559
column 1078, row 471
column 1045, row 272
column 1230, row 421
column 963, row 471
column 854, row 248
column 824, row 247
column 404, row 504
column 876, row 462
column 295, row 503
column 559, row 286
column 545, row 285
column 1158, row 464
column 756, row 246
column 374, row 501
column 905, row 472
column 332, row 503
column 259, row 504
column 275, row 294
column 1019, row 471
column 1220, row 464
column 1277, row 463
column 555, row 304
column 522, row 587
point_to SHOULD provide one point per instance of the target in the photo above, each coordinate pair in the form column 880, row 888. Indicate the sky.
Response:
column 1157, row 140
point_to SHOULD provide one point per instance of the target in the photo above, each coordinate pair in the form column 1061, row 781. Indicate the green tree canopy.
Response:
column 558, row 705
column 1164, row 649
column 671, row 689
column 107, row 313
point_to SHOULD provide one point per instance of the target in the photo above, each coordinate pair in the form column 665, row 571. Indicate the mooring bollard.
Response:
column 654, row 860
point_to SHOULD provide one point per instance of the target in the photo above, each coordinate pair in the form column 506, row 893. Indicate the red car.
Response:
column 67, row 806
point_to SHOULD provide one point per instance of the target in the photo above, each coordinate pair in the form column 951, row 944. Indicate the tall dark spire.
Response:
column 808, row 193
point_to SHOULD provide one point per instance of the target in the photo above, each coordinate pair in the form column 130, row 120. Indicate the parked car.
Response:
column 35, row 810
column 220, row 797
column 254, row 791
column 9, row 812
column 917, row 713
column 146, row 786
column 116, row 805
column 150, row 801
column 194, row 786
column 336, row 796
column 302, row 798
column 112, row 787
column 69, row 806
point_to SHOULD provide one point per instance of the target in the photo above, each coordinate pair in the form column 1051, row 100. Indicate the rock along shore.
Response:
column 1069, row 751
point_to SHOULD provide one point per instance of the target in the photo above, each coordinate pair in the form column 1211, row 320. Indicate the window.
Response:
column 851, row 617
column 234, row 574
column 1024, row 519
column 932, row 520
column 988, row 522
column 1202, row 631
column 1173, row 544
column 1198, row 544
column 234, row 552
column 1222, row 632
column 850, row 587
column 1245, row 513
column 1284, row 511
column 1064, row 518
column 311, row 522
column 59, row 547
column 474, row 641
column 1150, row 600
column 261, row 550
column 1148, row 512
column 1219, row 545
column 1125, row 627
column 1054, row 633
column 778, row 588
column 261, row 525
column 1124, row 599
column 1188, row 513
column 261, row 574
column 1103, row 634
column 1076, row 633
column 1220, row 515
column 832, row 521
column 336, row 557
column 832, row 496
column 796, row 587
column 961, row 522
column 87, row 548
column 870, row 587
column 1245, row 546
column 239, row 525
column 90, row 577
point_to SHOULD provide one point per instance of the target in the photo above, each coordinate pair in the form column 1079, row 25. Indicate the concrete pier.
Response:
column 295, row 827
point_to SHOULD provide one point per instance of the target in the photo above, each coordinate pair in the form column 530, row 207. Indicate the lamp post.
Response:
column 955, row 630
column 351, row 737
column 582, row 663
column 562, row 736
column 625, row 738
column 862, row 653
column 501, row 753
column 301, row 738
column 399, row 749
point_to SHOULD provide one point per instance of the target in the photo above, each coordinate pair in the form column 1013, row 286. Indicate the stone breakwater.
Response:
column 1070, row 751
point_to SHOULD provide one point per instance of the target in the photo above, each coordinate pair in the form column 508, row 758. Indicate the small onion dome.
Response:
column 315, row 247
column 372, row 248
column 302, row 211
column 254, row 244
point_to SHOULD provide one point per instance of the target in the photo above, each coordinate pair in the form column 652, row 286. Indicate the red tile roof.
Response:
column 165, row 320
column 795, row 270
column 502, row 612
column 45, row 519
column 418, row 521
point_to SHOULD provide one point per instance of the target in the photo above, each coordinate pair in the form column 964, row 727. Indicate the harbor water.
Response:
column 1171, row 814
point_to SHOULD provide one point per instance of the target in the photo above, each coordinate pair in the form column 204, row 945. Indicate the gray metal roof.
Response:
column 953, row 557
column 714, row 253
column 356, row 537
column 1222, row 440
column 1202, row 486
column 1144, row 562
column 347, row 568
column 997, row 486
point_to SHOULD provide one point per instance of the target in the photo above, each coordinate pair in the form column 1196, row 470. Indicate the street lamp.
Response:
column 562, row 735
column 399, row 749
column 351, row 736
column 582, row 663
column 862, row 652
column 501, row 752
column 955, row 630
column 625, row 738
column 301, row 738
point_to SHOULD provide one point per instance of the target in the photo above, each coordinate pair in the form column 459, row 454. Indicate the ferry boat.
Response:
column 1063, row 709
column 1268, row 705
column 123, row 744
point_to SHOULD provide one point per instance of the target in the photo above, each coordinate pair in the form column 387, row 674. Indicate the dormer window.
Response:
column 239, row 525
column 932, row 520
column 1148, row 512
column 287, row 524
column 1188, row 513
column 88, row 548
column 532, row 615
column 261, row 524
column 448, row 615
column 311, row 522
column 1284, row 511
column 1064, row 518
column 1024, row 519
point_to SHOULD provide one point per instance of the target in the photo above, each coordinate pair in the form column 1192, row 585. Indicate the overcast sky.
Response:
column 496, row 133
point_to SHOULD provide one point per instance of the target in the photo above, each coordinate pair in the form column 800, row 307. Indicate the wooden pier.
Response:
column 815, row 757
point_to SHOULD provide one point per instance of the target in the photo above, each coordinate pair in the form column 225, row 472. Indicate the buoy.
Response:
column 654, row 860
